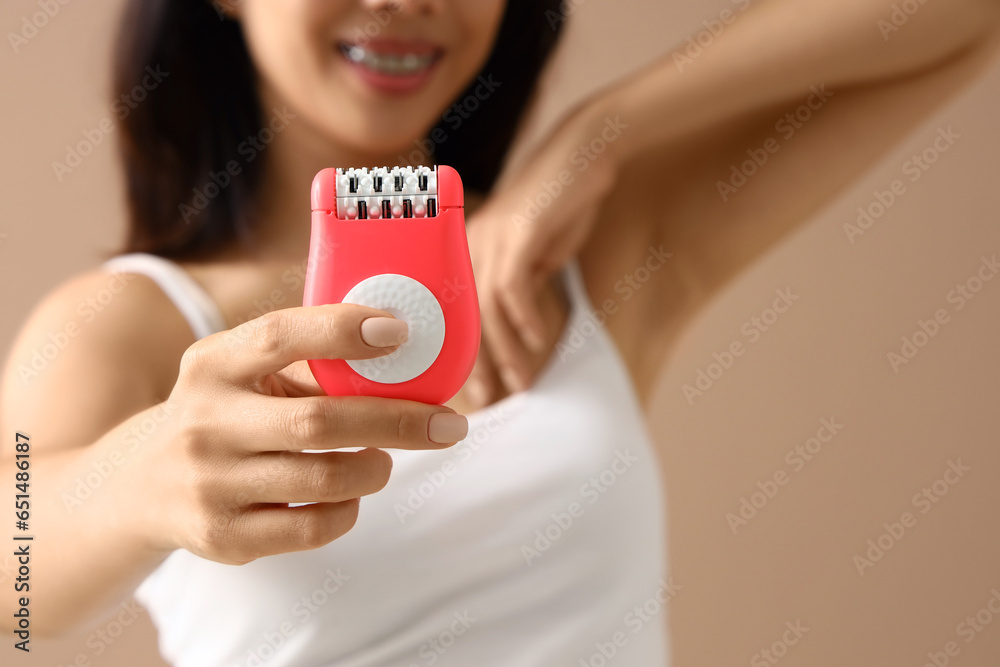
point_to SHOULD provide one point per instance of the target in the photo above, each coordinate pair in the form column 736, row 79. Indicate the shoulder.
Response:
column 97, row 348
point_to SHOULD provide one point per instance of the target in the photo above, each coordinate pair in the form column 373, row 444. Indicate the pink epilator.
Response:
column 394, row 239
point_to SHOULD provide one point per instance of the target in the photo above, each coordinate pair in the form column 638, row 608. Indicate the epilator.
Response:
column 394, row 239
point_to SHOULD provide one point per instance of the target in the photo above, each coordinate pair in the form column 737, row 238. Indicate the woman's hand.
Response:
column 522, row 235
column 242, row 411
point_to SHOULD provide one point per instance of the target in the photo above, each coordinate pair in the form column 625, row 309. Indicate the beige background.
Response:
column 825, row 358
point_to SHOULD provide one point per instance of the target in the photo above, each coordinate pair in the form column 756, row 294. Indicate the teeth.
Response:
column 387, row 63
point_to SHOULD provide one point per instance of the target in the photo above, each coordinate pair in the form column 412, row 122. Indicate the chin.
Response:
column 365, row 140
column 378, row 128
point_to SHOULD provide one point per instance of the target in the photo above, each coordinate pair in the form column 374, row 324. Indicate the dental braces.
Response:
column 381, row 192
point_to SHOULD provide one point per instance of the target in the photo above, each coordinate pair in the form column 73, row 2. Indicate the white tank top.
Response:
column 536, row 541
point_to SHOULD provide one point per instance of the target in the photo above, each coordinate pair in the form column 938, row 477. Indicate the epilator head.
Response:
column 394, row 239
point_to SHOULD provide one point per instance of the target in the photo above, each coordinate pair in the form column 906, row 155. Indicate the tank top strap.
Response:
column 190, row 298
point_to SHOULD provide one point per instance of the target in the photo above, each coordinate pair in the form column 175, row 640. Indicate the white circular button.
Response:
column 410, row 301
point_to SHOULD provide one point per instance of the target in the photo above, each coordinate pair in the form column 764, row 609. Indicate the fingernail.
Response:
column 445, row 427
column 383, row 331
column 512, row 379
column 477, row 392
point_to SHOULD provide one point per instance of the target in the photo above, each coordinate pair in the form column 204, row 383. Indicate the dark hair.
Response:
column 192, row 126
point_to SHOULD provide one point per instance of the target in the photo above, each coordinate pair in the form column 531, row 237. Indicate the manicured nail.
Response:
column 445, row 427
column 512, row 380
column 383, row 331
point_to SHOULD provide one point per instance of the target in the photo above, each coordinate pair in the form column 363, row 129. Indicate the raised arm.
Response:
column 757, row 54
column 751, row 56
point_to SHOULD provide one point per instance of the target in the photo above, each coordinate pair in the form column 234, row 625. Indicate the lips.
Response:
column 394, row 67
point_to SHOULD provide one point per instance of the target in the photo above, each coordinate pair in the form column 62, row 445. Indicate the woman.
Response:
column 494, row 551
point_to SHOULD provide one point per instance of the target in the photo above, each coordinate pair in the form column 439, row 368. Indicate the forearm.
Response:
column 774, row 51
column 86, row 554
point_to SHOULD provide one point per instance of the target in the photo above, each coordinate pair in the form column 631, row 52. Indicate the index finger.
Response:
column 271, row 342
